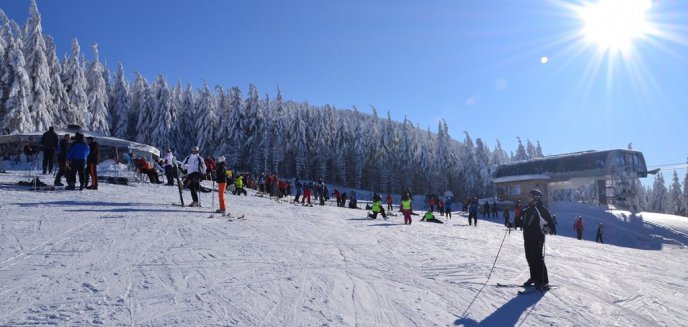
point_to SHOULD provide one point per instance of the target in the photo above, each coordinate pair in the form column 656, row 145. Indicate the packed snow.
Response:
column 123, row 255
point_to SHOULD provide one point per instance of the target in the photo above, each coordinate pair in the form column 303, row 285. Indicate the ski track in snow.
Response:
column 123, row 256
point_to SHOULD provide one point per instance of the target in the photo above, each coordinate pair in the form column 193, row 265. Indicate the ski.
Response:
column 533, row 290
column 513, row 285
column 179, row 183
column 237, row 218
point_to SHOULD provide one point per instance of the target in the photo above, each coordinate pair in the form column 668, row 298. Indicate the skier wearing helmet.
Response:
column 195, row 168
column 537, row 221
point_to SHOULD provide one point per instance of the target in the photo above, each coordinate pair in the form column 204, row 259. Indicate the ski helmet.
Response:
column 221, row 159
column 195, row 148
column 536, row 194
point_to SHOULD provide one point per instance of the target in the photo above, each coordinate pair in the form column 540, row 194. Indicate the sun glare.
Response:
column 613, row 24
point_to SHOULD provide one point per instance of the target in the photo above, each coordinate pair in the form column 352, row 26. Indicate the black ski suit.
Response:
column 535, row 218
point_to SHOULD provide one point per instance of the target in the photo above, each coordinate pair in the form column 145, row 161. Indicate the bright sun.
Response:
column 614, row 24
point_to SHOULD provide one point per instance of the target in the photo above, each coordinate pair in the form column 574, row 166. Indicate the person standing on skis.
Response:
column 537, row 221
column 221, row 179
column 195, row 169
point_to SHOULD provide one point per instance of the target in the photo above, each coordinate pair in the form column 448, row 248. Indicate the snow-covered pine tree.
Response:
column 74, row 80
column 299, row 142
column 443, row 159
column 142, row 105
column 121, row 100
column 266, row 139
column 280, row 133
column 60, row 98
column 538, row 150
column 206, row 121
column 471, row 179
column 407, row 149
column 530, row 150
column 482, row 156
column 253, row 123
column 186, row 135
column 17, row 118
column 233, row 128
column 37, row 67
column 357, row 152
column 374, row 160
column 340, row 149
column 676, row 197
column 520, row 152
column 388, row 149
column 659, row 199
column 163, row 113
column 499, row 156
column 97, row 96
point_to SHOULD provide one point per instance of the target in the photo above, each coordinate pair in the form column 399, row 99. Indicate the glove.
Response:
column 546, row 229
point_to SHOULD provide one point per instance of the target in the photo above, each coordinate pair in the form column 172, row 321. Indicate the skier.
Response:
column 440, row 207
column 578, row 226
column 62, row 159
column 507, row 222
column 306, row 193
column 406, row 208
column 447, row 208
column 495, row 209
column 49, row 144
column 429, row 217
column 169, row 166
column 92, row 163
column 473, row 211
column 389, row 202
column 239, row 186
column 298, row 186
column 195, row 168
column 221, row 179
column 431, row 203
column 598, row 239
column 537, row 222
column 377, row 207
column 77, row 155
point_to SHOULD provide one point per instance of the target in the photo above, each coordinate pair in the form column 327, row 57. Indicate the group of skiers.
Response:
column 77, row 157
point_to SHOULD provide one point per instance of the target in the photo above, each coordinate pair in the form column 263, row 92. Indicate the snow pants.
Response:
column 221, row 194
column 48, row 155
column 306, row 195
column 533, row 244
column 407, row 216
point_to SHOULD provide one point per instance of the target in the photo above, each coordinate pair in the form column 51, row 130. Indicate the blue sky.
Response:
column 477, row 64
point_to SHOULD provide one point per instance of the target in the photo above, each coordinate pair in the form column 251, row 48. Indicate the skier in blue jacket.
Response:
column 76, row 158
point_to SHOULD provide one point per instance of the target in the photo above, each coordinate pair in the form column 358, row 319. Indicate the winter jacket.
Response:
column 239, row 182
column 377, row 206
column 93, row 153
column 578, row 225
column 78, row 150
column 406, row 204
column 195, row 164
column 169, row 159
column 221, row 172
column 49, row 140
column 535, row 218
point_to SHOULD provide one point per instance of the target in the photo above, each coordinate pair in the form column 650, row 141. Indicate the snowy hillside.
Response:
column 123, row 255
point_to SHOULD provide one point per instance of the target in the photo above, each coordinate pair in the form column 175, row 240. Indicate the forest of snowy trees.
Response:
column 256, row 133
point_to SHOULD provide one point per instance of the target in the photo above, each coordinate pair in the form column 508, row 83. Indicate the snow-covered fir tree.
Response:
column 233, row 128
column 59, row 97
column 120, row 105
column 659, row 199
column 18, row 117
column 520, row 152
column 74, row 80
column 98, row 99
column 39, row 97
column 676, row 197
column 279, row 134
column 142, row 105
column 163, row 113
column 186, row 137
column 206, row 121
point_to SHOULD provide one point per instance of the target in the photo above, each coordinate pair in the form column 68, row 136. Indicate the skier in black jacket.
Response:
column 49, row 143
column 537, row 222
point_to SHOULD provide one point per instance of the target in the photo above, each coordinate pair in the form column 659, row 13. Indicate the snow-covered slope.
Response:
column 123, row 255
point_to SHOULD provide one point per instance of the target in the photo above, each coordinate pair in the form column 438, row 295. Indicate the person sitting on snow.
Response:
column 429, row 217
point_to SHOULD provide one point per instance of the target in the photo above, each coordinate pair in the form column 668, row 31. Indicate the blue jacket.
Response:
column 78, row 150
